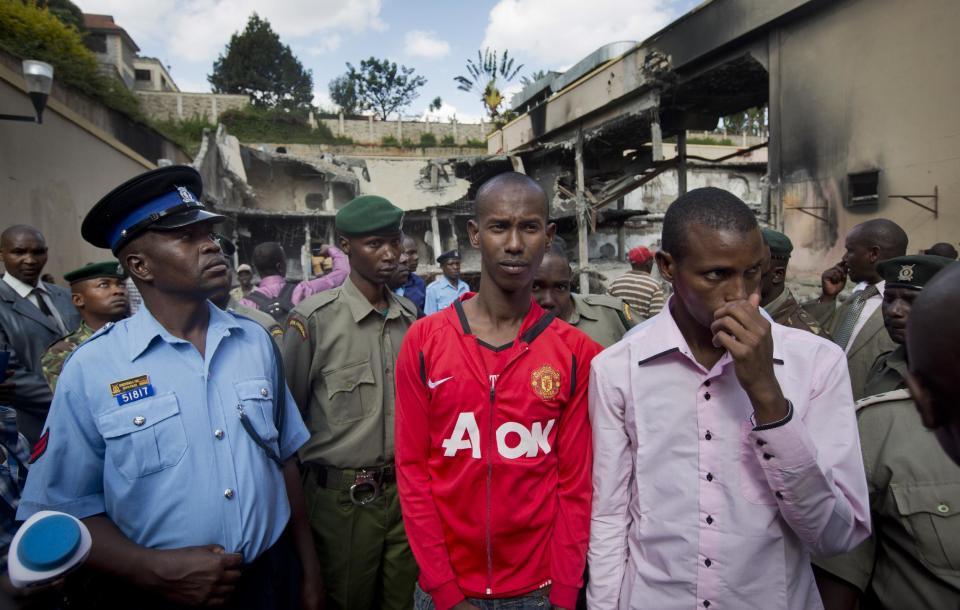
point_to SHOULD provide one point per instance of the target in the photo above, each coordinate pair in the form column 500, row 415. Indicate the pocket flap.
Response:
column 257, row 388
column 347, row 378
column 941, row 499
column 138, row 415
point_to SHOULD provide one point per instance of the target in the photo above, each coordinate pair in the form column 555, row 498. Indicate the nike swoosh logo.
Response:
column 433, row 384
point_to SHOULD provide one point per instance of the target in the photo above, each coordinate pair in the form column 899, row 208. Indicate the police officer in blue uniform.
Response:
column 172, row 434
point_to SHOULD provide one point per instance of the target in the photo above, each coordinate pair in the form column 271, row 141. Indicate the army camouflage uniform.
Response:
column 787, row 311
column 912, row 559
column 887, row 373
column 340, row 354
column 53, row 358
column 603, row 318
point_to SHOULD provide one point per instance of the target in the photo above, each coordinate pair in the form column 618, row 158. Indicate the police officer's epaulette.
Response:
column 882, row 398
column 407, row 305
column 611, row 302
column 317, row 301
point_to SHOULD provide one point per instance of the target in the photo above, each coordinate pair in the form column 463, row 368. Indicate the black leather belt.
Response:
column 364, row 484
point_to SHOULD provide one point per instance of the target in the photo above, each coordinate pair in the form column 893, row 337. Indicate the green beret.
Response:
column 780, row 244
column 369, row 215
column 92, row 270
column 911, row 271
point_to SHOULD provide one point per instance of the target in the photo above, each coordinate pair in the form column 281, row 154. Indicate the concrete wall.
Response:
column 866, row 84
column 52, row 174
column 170, row 105
column 370, row 131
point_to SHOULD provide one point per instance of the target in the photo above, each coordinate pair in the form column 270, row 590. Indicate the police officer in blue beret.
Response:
column 172, row 434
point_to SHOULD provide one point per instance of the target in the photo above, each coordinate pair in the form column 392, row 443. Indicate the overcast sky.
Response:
column 435, row 37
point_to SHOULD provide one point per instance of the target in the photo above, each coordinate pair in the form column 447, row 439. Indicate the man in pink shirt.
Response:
column 275, row 294
column 725, row 447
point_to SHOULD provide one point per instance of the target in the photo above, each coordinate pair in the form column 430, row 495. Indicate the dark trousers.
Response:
column 270, row 582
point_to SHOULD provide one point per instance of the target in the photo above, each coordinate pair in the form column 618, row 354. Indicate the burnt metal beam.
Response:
column 935, row 210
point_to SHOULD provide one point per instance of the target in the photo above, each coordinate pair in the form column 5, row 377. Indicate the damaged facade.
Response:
column 859, row 127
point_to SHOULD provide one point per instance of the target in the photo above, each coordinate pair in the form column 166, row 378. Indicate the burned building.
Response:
column 860, row 125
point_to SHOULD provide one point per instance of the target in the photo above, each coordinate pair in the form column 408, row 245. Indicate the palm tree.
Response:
column 484, row 73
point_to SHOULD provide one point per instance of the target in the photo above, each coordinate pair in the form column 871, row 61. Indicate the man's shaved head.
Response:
column 883, row 234
column 16, row 231
column 933, row 346
column 513, row 185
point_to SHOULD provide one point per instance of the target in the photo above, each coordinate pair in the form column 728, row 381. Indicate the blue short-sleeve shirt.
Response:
column 144, row 429
column 441, row 293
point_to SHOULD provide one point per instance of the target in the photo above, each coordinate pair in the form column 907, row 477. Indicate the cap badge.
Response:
column 906, row 273
column 185, row 195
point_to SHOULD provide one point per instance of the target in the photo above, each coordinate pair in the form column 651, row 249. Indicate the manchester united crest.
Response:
column 545, row 382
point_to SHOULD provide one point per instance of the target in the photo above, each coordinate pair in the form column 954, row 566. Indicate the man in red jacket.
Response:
column 492, row 436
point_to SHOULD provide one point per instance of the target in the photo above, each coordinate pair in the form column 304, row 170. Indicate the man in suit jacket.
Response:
column 857, row 324
column 33, row 315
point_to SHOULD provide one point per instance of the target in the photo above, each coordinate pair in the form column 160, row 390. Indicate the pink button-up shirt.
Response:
column 693, row 507
column 271, row 285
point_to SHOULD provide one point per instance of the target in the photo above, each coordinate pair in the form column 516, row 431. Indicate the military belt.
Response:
column 364, row 484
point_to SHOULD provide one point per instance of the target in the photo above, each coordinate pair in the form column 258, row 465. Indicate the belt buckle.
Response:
column 364, row 479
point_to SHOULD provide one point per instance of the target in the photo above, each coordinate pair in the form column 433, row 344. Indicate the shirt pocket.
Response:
column 931, row 513
column 753, row 481
column 144, row 437
column 350, row 392
column 257, row 400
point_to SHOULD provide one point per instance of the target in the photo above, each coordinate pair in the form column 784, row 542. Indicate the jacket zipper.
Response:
column 490, row 444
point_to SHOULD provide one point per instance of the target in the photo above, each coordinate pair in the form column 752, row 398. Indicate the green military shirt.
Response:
column 51, row 362
column 787, row 311
column 263, row 319
column 603, row 318
column 912, row 559
column 339, row 354
column 887, row 373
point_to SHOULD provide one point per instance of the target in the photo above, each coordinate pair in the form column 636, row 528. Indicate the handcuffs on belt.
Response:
column 362, row 480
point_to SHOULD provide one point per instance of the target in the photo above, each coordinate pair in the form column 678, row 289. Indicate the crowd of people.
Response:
column 363, row 439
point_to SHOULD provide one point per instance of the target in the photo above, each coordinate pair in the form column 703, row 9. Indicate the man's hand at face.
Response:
column 741, row 329
column 832, row 282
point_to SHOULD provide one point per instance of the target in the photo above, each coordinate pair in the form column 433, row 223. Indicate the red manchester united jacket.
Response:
column 494, row 471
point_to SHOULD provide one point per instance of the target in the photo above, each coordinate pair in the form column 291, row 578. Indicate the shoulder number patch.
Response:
column 298, row 326
column 545, row 382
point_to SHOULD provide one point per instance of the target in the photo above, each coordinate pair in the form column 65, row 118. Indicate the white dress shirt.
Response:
column 868, row 308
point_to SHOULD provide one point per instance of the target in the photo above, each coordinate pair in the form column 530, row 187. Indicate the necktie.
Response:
column 42, row 304
column 845, row 330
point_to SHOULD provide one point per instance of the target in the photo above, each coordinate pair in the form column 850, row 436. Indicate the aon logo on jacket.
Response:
column 513, row 439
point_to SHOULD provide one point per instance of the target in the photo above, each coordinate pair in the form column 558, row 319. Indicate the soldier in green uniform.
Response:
column 905, row 277
column 912, row 559
column 99, row 293
column 340, row 348
column 775, row 297
column 604, row 318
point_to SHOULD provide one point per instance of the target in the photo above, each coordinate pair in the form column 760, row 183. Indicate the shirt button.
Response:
column 779, row 495
column 228, row 493
column 761, row 442
column 767, row 456
column 707, row 383
column 706, row 396
column 218, row 433
column 708, row 436
column 709, row 520
column 139, row 420
column 706, row 603
column 264, row 392
column 709, row 477
column 707, row 562
column 943, row 508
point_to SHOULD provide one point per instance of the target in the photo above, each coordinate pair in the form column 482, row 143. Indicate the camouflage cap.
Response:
column 912, row 271
column 780, row 244
column 369, row 215
column 92, row 270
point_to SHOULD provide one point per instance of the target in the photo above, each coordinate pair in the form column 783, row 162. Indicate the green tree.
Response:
column 257, row 64
column 64, row 10
column 384, row 87
column 752, row 122
column 534, row 77
column 343, row 92
column 482, row 75
column 436, row 104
